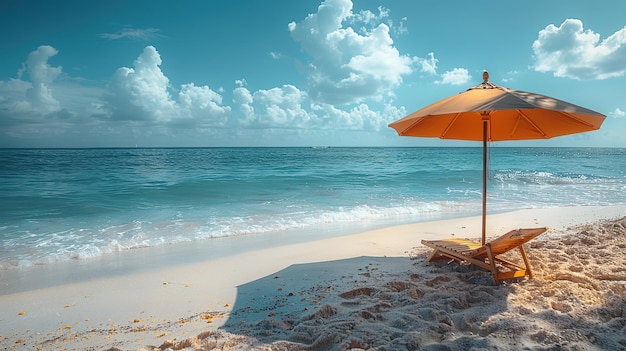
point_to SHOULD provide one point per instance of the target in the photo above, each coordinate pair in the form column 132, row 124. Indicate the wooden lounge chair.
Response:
column 486, row 256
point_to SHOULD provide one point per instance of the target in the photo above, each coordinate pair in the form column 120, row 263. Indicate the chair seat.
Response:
column 486, row 256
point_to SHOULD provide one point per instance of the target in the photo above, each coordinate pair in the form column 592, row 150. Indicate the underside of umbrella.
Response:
column 512, row 115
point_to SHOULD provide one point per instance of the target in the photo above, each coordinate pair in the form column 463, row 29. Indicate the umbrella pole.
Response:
column 484, row 223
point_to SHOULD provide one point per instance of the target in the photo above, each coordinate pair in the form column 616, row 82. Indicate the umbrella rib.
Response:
column 578, row 119
column 417, row 121
column 515, row 126
column 533, row 124
column 449, row 125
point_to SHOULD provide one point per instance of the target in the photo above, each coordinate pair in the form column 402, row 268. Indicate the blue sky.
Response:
column 292, row 73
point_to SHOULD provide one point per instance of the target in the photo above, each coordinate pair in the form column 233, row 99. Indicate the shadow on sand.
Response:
column 368, row 302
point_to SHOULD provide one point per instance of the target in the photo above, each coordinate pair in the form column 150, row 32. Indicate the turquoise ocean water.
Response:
column 65, row 204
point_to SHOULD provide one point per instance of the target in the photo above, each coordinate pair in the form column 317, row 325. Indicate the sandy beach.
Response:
column 371, row 290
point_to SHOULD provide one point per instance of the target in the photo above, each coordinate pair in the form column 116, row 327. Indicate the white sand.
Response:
column 362, row 291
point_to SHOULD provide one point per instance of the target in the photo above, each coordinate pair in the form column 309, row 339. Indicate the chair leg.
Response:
column 434, row 255
column 492, row 264
column 529, row 272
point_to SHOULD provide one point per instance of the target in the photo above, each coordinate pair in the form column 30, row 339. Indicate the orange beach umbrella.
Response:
column 488, row 112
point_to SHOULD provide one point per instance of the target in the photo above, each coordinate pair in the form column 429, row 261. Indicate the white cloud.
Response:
column 42, row 90
column 243, row 99
column 38, row 101
column 617, row 113
column 348, row 66
column 429, row 65
column 42, row 75
column 142, row 93
column 457, row 76
column 399, row 29
column 281, row 107
column 134, row 33
column 360, row 117
column 571, row 52
column 202, row 105
column 13, row 96
column 290, row 108
column 510, row 76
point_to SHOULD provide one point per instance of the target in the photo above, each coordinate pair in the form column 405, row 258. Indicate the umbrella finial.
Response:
column 486, row 84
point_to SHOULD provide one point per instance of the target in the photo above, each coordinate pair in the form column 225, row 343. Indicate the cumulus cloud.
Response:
column 202, row 105
column 360, row 117
column 143, row 93
column 570, row 51
column 348, row 65
column 140, row 93
column 290, row 108
column 39, row 95
column 42, row 101
column 276, row 107
column 457, row 76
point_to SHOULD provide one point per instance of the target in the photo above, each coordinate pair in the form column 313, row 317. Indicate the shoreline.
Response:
column 137, row 260
column 178, row 301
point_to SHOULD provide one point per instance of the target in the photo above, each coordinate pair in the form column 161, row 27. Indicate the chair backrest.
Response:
column 509, row 241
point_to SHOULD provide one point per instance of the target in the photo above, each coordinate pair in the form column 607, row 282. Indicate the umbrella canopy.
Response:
column 488, row 112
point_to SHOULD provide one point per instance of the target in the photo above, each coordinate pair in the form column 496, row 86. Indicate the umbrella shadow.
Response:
column 368, row 302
